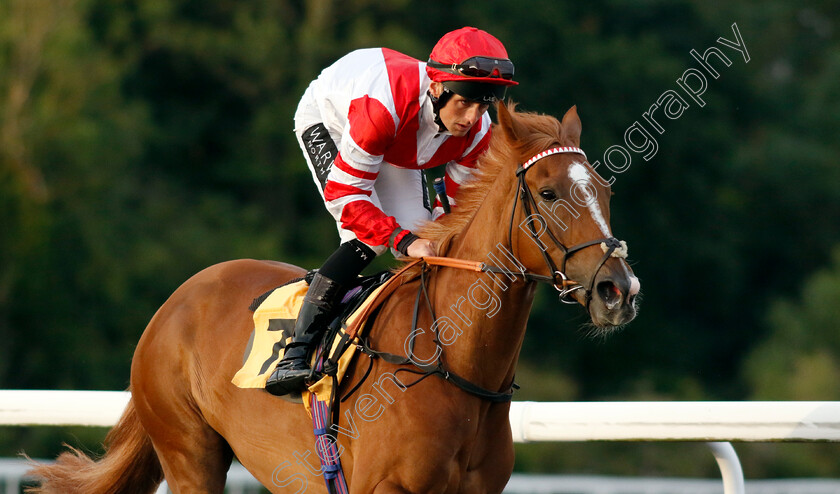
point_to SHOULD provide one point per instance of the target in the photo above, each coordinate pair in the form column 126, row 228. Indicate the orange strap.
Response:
column 455, row 263
column 477, row 266
column 396, row 281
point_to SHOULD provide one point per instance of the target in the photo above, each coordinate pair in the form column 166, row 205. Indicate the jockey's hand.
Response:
column 421, row 247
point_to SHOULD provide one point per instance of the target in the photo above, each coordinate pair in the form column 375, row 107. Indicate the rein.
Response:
column 424, row 368
column 482, row 267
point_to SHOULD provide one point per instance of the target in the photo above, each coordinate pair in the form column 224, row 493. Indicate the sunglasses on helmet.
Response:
column 477, row 67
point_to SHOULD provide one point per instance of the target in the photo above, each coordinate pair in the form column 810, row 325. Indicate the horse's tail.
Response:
column 130, row 464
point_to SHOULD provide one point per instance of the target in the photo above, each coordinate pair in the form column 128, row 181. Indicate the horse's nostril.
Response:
column 610, row 294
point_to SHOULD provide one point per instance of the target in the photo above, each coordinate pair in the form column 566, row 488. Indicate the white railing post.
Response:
column 730, row 467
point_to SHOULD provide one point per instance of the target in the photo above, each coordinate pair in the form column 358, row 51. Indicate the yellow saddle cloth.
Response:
column 274, row 322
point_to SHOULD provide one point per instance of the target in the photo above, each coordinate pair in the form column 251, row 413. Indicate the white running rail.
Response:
column 757, row 421
column 717, row 423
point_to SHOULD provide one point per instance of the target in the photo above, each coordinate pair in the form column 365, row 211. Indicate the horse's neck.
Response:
column 490, row 309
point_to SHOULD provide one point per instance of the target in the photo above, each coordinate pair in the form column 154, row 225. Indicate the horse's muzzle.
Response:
column 614, row 300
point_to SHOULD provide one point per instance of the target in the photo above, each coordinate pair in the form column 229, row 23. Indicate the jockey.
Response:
column 368, row 126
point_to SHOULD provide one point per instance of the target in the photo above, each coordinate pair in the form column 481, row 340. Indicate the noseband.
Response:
column 611, row 246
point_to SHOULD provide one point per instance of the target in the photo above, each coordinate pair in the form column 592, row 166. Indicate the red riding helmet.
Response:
column 472, row 63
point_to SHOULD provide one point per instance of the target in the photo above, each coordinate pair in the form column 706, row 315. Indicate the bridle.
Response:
column 611, row 246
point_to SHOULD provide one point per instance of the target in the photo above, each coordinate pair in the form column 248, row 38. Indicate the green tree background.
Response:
column 143, row 140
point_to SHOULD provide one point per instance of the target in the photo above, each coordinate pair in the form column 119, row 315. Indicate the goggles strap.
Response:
column 439, row 102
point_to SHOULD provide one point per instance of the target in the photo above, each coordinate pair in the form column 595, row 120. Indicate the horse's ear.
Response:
column 571, row 126
column 510, row 127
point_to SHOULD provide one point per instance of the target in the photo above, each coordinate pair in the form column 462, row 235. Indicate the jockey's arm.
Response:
column 349, row 198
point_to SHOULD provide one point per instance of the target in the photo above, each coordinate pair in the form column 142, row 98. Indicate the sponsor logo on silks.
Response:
column 321, row 150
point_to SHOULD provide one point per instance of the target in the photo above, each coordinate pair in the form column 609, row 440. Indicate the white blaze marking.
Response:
column 579, row 173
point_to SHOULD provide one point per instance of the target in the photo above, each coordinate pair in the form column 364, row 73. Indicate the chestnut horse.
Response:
column 186, row 421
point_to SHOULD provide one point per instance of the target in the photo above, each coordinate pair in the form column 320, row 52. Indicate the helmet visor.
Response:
column 477, row 91
column 478, row 67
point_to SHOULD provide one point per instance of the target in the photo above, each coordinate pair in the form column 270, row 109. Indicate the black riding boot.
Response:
column 315, row 314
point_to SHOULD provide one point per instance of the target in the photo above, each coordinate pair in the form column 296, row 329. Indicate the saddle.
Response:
column 274, row 317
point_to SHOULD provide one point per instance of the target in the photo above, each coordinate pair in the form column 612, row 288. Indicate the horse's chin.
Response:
column 607, row 321
column 601, row 332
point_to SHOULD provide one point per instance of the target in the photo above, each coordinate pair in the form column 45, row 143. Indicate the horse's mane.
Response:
column 541, row 132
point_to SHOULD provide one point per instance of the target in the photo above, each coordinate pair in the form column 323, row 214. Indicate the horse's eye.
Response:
column 548, row 195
